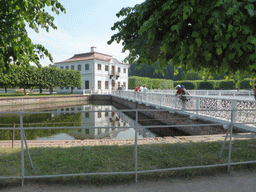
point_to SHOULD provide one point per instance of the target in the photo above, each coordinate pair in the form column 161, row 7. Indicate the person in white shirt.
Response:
column 141, row 89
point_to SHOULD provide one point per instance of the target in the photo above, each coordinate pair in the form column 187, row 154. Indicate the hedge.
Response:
column 226, row 84
column 189, row 84
column 246, row 84
column 150, row 83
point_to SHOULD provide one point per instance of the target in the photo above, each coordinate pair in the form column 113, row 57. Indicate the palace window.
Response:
column 99, row 85
column 86, row 66
column 106, row 84
column 106, row 67
column 79, row 67
column 99, row 66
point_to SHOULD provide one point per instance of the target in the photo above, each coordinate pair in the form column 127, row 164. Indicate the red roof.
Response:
column 89, row 56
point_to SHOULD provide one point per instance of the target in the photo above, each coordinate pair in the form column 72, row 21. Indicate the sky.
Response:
column 85, row 24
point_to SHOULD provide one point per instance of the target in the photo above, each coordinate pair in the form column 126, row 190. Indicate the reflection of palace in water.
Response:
column 106, row 119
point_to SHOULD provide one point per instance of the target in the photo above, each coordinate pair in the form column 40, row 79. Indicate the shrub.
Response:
column 205, row 85
column 245, row 84
column 226, row 85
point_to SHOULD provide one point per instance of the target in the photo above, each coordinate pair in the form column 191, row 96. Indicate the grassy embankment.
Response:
column 89, row 159
column 33, row 94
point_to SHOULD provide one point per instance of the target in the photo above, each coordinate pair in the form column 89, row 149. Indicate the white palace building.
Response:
column 100, row 72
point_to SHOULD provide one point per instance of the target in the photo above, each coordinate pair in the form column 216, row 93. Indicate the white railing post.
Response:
column 197, row 105
column 161, row 97
column 175, row 102
column 233, row 106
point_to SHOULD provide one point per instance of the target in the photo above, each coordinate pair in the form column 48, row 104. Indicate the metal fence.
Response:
column 229, row 135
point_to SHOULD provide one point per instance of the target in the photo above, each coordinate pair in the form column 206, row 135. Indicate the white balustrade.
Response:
column 214, row 108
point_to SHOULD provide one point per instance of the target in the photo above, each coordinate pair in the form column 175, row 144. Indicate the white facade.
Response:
column 99, row 71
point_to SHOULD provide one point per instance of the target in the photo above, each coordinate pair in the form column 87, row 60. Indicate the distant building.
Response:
column 99, row 71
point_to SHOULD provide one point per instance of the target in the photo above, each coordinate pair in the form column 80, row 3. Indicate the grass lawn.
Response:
column 91, row 159
column 33, row 95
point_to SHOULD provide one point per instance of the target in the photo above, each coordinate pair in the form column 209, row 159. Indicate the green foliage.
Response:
column 225, row 85
column 150, row 83
column 15, row 45
column 152, row 72
column 211, row 37
column 205, row 85
column 46, row 77
column 245, row 84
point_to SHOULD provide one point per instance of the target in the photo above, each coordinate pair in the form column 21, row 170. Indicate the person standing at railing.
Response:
column 136, row 89
column 180, row 92
column 145, row 89
column 254, row 91
column 141, row 89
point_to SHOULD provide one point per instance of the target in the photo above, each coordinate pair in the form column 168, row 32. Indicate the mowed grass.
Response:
column 96, row 159
column 32, row 94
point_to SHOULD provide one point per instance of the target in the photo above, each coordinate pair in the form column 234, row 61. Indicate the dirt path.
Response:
column 236, row 182
column 97, row 142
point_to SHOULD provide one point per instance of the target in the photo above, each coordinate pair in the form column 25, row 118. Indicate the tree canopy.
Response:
column 213, row 37
column 15, row 45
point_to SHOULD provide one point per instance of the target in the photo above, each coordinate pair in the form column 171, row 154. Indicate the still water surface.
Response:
column 74, row 116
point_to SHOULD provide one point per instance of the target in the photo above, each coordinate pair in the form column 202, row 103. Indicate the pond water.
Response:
column 74, row 116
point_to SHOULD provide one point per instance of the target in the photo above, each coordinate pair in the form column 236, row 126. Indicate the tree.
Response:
column 215, row 36
column 9, row 79
column 15, row 45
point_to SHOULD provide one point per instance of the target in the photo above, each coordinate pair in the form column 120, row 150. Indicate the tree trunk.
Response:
column 50, row 89
column 5, row 89
column 72, row 88
column 24, row 90
column 40, row 89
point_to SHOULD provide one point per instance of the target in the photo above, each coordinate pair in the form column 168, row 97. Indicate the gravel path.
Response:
column 98, row 142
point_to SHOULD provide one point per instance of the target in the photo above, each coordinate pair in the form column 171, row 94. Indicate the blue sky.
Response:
column 85, row 24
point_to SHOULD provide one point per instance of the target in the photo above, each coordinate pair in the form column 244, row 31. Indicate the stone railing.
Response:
column 213, row 108
column 234, row 93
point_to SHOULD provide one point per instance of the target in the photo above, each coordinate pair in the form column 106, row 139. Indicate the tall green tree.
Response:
column 9, row 79
column 71, row 78
column 15, row 45
column 215, row 36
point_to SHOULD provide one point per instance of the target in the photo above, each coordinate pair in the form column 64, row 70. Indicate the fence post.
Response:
column 136, row 147
column 13, row 134
column 230, row 141
column 22, row 151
